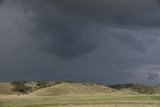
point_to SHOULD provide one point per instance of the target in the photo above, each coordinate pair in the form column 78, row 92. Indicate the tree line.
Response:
column 136, row 88
column 25, row 87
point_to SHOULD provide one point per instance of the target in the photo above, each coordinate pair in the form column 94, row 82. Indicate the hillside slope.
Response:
column 69, row 88
column 6, row 89
column 72, row 89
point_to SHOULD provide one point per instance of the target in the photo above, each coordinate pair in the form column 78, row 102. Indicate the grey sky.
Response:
column 108, row 41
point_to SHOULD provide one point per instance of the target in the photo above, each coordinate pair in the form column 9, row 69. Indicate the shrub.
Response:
column 135, row 87
column 21, row 87
column 43, row 84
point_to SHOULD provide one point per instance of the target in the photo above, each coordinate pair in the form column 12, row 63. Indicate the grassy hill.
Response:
column 68, row 94
column 6, row 88
column 62, row 88
column 70, row 88
column 73, row 88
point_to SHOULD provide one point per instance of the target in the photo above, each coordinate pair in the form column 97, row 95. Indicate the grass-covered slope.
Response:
column 6, row 89
column 67, row 94
column 73, row 89
column 44, row 88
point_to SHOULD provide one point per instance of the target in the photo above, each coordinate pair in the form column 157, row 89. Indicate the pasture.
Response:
column 76, row 95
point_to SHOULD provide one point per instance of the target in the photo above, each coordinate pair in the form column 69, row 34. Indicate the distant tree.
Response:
column 43, row 84
column 21, row 87
column 135, row 87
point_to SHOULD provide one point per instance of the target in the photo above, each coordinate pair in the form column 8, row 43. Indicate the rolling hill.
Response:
column 73, row 89
column 70, row 88
column 6, row 88
column 68, row 94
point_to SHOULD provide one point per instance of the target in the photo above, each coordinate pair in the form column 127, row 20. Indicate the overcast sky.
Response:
column 104, row 41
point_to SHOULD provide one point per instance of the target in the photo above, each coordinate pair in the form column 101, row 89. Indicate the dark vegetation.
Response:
column 44, row 84
column 136, row 88
column 25, row 87
column 21, row 87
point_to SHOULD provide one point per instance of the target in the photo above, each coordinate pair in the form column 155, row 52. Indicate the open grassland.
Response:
column 76, row 95
column 99, row 100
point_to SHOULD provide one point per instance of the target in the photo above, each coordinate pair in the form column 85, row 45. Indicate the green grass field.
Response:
column 76, row 95
column 79, row 101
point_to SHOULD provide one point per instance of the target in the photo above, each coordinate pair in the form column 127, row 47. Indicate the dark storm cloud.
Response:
column 64, row 27
column 123, row 12
column 1, row 1
column 65, row 37
column 132, row 41
column 98, row 37
column 153, row 76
